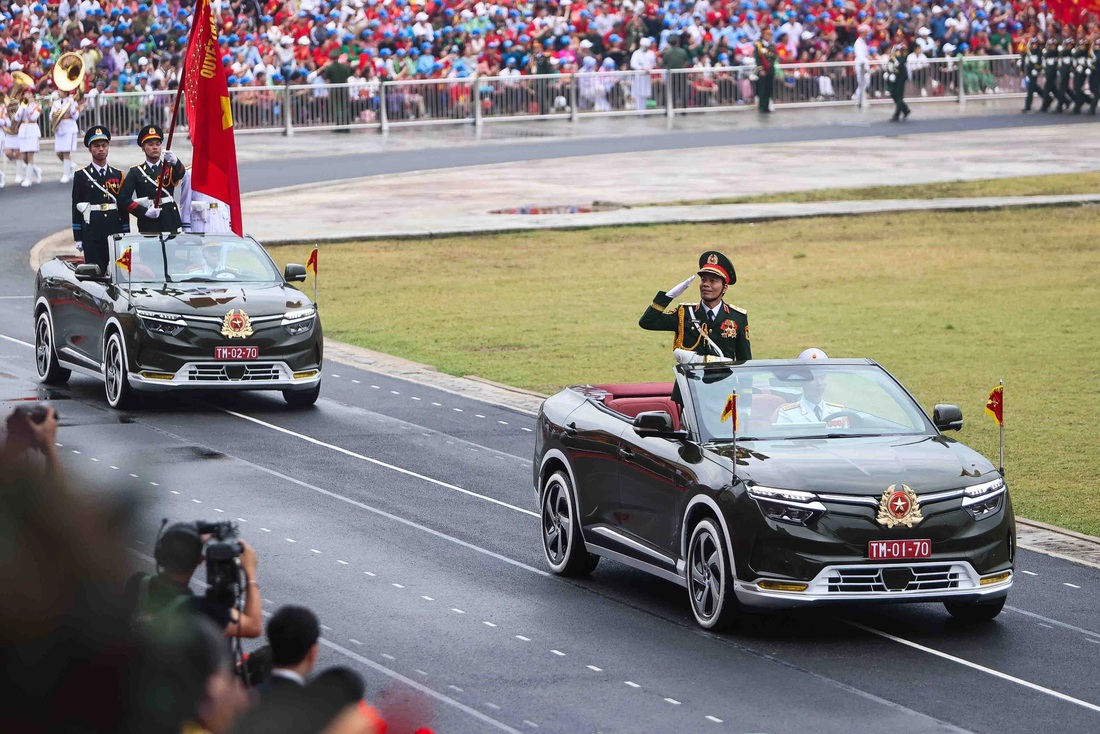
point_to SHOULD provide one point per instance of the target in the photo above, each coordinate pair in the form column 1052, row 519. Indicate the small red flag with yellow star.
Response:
column 995, row 406
column 730, row 411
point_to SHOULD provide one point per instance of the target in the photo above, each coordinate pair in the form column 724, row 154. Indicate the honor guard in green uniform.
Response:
column 726, row 326
column 1081, row 57
column 1050, row 74
column 1065, row 71
column 766, row 57
column 1031, row 64
column 95, row 201
column 139, row 188
column 1094, row 74
column 897, row 74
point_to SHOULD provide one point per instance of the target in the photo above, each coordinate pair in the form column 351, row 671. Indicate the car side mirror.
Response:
column 656, row 423
column 90, row 272
column 294, row 273
column 948, row 417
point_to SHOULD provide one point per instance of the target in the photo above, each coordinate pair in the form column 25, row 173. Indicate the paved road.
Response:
column 405, row 517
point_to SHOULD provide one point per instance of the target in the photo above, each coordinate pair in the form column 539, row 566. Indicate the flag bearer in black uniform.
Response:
column 1050, row 74
column 726, row 325
column 1031, row 64
column 139, row 189
column 897, row 74
column 1065, row 70
column 1081, row 57
column 766, row 58
column 96, row 215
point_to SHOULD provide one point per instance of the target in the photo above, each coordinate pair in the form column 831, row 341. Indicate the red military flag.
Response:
column 730, row 411
column 311, row 263
column 995, row 406
column 124, row 260
column 210, row 119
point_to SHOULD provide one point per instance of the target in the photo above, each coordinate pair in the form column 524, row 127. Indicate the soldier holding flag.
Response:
column 147, row 189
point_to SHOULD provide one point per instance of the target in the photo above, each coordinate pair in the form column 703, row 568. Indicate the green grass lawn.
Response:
column 948, row 302
column 1051, row 185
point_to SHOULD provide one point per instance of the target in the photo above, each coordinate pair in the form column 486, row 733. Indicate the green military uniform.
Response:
column 1031, row 63
column 1094, row 76
column 139, row 190
column 897, row 74
column 1065, row 74
column 766, row 57
column 728, row 328
column 1081, row 58
column 1051, row 63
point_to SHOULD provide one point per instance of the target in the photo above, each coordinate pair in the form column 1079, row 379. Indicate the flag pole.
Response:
column 316, row 270
column 1001, row 429
column 176, row 102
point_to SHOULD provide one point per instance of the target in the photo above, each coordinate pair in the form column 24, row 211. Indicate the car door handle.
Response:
column 626, row 454
column 571, row 429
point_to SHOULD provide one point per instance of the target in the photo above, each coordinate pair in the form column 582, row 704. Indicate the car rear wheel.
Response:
column 302, row 398
column 45, row 355
column 973, row 611
column 561, row 537
column 710, row 578
column 116, row 384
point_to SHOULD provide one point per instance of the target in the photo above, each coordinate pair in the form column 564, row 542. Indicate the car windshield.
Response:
column 194, row 259
column 816, row 400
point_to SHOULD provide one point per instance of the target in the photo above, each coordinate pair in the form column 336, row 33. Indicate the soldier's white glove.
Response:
column 170, row 157
column 152, row 212
column 679, row 288
column 80, row 247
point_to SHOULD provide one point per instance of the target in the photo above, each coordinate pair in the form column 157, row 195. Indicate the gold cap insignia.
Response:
column 898, row 507
column 712, row 259
column 236, row 324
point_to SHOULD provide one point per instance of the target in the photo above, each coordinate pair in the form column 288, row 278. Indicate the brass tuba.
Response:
column 68, row 76
column 20, row 82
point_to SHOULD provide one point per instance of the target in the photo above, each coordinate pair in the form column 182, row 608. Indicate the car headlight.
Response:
column 787, row 505
column 300, row 321
column 159, row 322
column 985, row 499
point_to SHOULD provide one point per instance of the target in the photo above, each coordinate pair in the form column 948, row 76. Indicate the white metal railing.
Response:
column 478, row 100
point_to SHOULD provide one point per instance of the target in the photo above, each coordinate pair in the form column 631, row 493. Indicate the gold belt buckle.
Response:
column 214, row 205
column 104, row 207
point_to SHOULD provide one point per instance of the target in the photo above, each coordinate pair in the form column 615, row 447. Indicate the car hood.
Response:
column 210, row 299
column 860, row 466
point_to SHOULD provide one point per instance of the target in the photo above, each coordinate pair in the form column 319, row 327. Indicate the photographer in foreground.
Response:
column 31, row 428
column 179, row 551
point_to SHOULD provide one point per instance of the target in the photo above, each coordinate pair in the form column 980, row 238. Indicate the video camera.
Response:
column 224, row 584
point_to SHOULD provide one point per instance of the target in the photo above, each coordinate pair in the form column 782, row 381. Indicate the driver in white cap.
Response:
column 811, row 408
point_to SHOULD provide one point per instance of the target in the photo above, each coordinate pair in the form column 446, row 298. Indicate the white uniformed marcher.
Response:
column 863, row 65
column 26, row 117
column 202, row 214
column 65, row 136
column 643, row 61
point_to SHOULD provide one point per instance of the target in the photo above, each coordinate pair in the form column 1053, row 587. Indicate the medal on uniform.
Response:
column 729, row 329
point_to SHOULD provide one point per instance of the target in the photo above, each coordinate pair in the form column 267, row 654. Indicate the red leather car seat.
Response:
column 631, row 407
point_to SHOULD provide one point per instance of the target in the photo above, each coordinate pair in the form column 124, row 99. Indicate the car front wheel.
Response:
column 45, row 354
column 973, row 611
column 302, row 398
column 710, row 578
column 561, row 536
column 115, row 378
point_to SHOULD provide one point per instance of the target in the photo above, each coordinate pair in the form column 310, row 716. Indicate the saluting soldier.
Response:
column 726, row 325
column 139, row 188
column 1051, row 62
column 1031, row 63
column 96, row 215
column 766, row 57
column 897, row 74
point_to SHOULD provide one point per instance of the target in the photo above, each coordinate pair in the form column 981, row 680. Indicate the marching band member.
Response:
column 96, row 214
column 64, row 113
column 26, row 117
column 202, row 214
column 139, row 188
column 5, row 125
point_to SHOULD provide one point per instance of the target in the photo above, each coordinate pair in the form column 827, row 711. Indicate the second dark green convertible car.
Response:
column 836, row 488
column 187, row 312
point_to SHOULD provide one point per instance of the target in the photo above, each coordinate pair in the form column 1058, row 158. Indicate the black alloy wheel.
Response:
column 710, row 578
column 561, row 538
column 116, row 384
column 975, row 611
column 45, row 355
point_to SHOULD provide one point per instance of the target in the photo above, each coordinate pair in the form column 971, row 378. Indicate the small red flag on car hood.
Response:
column 995, row 406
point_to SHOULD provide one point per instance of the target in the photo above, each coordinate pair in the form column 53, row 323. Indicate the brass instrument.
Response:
column 20, row 82
column 68, row 76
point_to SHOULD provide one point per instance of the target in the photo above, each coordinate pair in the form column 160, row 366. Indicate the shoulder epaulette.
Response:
column 834, row 405
column 738, row 309
column 788, row 406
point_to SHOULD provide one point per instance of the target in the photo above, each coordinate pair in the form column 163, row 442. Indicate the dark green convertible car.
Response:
column 189, row 312
column 835, row 488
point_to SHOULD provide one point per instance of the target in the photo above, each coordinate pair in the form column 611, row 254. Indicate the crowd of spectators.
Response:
column 136, row 46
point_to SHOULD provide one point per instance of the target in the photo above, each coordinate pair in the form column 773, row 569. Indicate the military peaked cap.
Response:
column 716, row 263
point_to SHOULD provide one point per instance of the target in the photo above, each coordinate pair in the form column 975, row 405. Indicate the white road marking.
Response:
column 140, row 542
column 290, row 540
column 388, row 657
column 526, row 429
column 376, row 387
column 173, row 491
column 1072, row 586
column 354, row 641
column 478, row 415
column 218, row 509
column 631, row 683
column 265, row 530
column 427, row 598
column 521, row 637
column 531, row 724
column 197, row 502
column 1048, row 626
column 397, row 586
column 415, row 398
column 77, row 452
column 154, row 484
column 421, row 672
column 559, row 653
column 593, row 667
column 503, row 423
column 135, row 476
column 715, row 719
column 342, row 563
column 356, row 382
column 1095, row 642
column 377, row 462
column 59, row 445
column 488, row 624
column 93, row 459
column 455, row 688
column 980, row 668
column 673, row 701
column 1029, row 573
column 11, row 298
column 334, row 374
column 241, row 519
column 326, row 628
column 1055, row 622
column 394, row 392
column 457, row 410
column 314, row 550
column 443, row 698
column 114, row 467
column 17, row 341
column 493, row 706
column 438, row 405
column 456, row 610
column 368, row 573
